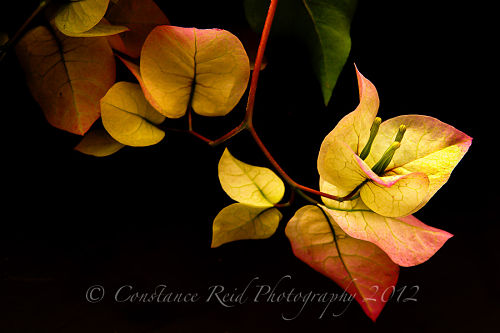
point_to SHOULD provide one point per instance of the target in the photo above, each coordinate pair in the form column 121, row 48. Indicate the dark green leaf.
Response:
column 321, row 26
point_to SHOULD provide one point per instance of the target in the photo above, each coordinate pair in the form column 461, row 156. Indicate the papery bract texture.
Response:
column 360, row 267
column 427, row 154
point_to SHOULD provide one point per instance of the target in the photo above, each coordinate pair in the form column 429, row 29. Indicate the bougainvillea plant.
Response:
column 372, row 175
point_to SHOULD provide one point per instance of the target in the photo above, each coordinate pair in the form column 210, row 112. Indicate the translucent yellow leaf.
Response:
column 129, row 118
column 79, row 16
column 102, row 29
column 239, row 221
column 97, row 142
column 207, row 69
column 248, row 184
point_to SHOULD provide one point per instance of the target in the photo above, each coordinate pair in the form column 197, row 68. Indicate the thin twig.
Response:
column 248, row 122
column 20, row 31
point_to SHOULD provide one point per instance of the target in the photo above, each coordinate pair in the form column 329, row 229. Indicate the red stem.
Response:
column 258, row 62
column 287, row 178
column 229, row 134
column 250, row 108
column 248, row 121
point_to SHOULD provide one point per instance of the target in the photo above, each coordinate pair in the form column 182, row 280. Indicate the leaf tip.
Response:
column 327, row 95
column 214, row 244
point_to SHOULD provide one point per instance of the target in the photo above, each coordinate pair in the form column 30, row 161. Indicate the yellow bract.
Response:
column 239, row 221
column 248, row 184
column 79, row 16
column 400, row 199
column 205, row 69
column 337, row 164
column 129, row 118
column 98, row 143
column 429, row 146
column 427, row 152
column 354, row 128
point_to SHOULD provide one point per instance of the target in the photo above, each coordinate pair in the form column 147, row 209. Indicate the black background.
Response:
column 143, row 216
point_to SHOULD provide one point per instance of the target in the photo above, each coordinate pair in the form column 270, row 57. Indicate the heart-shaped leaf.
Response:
column 248, row 184
column 140, row 16
column 205, row 69
column 129, row 118
column 98, row 142
column 239, row 221
column 67, row 76
column 359, row 267
column 322, row 26
column 79, row 16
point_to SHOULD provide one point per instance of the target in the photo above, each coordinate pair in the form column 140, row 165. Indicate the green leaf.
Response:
column 322, row 26
column 239, row 221
column 248, row 184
